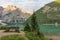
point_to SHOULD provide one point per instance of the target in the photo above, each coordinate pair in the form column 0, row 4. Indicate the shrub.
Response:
column 27, row 27
column 2, row 27
column 33, row 36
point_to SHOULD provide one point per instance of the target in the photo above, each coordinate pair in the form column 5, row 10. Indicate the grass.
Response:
column 29, row 35
column 13, row 37
column 32, row 36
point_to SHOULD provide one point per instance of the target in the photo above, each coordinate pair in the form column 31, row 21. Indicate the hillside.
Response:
column 49, row 14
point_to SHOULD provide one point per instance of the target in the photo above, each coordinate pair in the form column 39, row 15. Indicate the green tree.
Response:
column 27, row 27
column 34, row 23
column 35, row 27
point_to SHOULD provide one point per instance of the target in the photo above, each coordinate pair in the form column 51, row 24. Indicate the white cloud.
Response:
column 26, row 4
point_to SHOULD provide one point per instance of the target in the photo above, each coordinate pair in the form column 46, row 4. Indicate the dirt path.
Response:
column 53, row 37
column 2, row 33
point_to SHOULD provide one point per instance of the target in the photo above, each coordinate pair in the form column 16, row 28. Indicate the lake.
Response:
column 50, row 29
column 47, row 29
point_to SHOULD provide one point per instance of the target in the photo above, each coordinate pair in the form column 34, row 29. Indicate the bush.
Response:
column 40, row 34
column 27, row 27
column 12, row 37
column 33, row 36
column 2, row 27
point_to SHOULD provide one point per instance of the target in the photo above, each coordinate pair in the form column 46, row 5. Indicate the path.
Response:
column 53, row 37
column 2, row 33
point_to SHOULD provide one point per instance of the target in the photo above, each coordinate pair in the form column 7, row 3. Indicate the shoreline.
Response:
column 53, row 37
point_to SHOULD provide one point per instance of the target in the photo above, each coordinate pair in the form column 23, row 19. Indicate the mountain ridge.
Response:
column 12, row 8
column 49, row 14
column 11, row 11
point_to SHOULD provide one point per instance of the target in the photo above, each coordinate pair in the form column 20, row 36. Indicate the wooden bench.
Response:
column 8, row 29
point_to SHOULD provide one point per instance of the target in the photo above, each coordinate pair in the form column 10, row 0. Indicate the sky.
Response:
column 28, row 5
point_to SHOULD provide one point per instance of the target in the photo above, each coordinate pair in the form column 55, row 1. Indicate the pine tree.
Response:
column 27, row 27
column 34, row 22
column 35, row 26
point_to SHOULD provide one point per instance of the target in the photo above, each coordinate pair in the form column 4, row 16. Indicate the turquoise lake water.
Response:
column 50, row 29
column 46, row 29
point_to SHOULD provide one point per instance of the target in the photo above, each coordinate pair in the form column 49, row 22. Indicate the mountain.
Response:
column 49, row 14
column 12, row 12
column 1, row 12
column 14, row 9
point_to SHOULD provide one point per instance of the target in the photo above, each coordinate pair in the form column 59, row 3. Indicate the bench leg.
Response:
column 7, row 29
column 17, row 30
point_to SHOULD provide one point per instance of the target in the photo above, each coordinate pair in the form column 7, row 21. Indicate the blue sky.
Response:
column 25, row 4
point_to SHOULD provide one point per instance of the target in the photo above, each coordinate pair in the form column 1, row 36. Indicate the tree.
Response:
column 35, row 27
column 27, row 27
column 34, row 24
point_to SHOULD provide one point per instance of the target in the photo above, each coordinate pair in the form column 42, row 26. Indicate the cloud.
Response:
column 25, row 4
